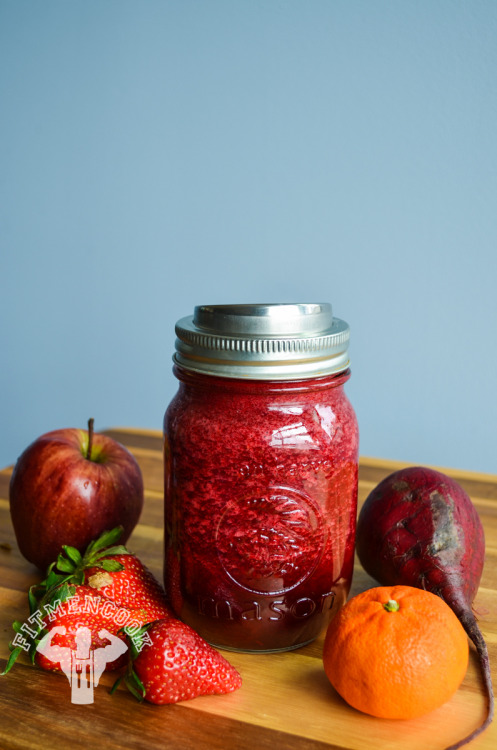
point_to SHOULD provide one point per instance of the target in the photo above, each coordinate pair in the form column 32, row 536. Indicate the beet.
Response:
column 419, row 528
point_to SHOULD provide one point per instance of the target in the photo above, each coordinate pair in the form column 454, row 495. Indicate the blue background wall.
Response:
column 156, row 155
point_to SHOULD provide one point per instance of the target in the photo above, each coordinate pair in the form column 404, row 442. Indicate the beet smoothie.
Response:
column 260, row 504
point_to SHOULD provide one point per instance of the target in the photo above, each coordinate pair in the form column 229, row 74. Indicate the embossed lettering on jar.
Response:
column 260, row 452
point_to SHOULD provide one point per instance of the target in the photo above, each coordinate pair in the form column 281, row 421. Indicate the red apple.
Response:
column 68, row 487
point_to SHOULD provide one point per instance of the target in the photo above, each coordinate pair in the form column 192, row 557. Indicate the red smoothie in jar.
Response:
column 260, row 481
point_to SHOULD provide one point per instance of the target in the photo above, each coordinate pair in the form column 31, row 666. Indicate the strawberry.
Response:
column 84, row 609
column 134, row 587
column 116, row 574
column 176, row 664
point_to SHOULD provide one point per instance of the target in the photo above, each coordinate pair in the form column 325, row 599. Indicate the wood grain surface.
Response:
column 285, row 702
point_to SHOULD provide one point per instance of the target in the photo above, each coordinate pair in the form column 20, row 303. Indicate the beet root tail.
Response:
column 470, row 625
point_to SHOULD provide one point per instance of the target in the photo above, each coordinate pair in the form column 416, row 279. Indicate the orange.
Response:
column 395, row 651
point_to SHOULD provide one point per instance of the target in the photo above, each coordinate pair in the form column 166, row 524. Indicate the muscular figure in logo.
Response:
column 83, row 667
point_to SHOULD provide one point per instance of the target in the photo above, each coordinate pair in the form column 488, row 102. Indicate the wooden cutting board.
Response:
column 285, row 703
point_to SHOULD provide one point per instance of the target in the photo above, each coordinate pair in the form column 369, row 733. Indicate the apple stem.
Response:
column 90, row 438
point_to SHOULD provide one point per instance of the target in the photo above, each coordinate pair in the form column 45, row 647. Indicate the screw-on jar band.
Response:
column 263, row 342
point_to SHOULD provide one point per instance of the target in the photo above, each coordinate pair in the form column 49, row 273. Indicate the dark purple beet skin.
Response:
column 419, row 528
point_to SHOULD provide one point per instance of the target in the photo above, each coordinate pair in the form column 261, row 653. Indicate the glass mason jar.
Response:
column 261, row 463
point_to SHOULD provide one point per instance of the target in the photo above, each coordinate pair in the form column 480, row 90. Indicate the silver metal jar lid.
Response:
column 263, row 342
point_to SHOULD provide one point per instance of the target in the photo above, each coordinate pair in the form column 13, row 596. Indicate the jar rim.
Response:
column 201, row 379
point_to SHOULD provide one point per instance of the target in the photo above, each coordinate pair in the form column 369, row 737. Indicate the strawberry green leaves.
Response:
column 72, row 562
column 15, row 651
column 131, row 679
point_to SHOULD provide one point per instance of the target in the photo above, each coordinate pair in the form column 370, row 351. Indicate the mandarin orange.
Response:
column 395, row 652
